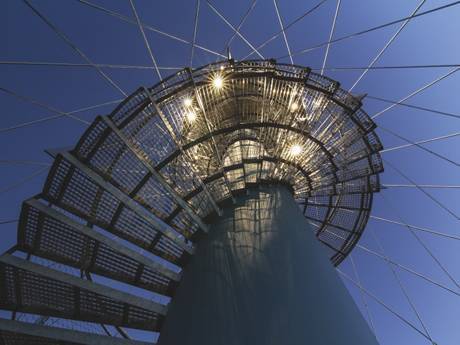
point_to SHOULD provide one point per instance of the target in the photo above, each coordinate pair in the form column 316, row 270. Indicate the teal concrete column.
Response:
column 261, row 277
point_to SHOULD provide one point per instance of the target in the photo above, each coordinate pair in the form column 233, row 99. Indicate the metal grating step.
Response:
column 47, row 233
column 31, row 288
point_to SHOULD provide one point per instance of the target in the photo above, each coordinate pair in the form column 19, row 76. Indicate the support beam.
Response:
column 407, row 105
column 363, row 296
column 378, row 27
column 402, row 267
column 146, row 26
column 415, row 227
column 23, row 180
column 240, row 25
column 284, row 29
column 42, row 105
column 421, row 186
column 416, row 92
column 402, row 287
column 195, row 27
column 146, row 41
column 331, row 34
column 416, row 144
column 221, row 16
column 384, row 305
column 385, row 47
column 84, row 65
column 74, row 47
column 55, row 117
column 156, row 223
column 435, row 200
column 56, row 335
column 116, row 246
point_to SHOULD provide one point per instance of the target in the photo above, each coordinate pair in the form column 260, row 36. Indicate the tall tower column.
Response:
column 261, row 277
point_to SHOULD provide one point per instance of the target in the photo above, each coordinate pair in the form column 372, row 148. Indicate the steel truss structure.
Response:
column 132, row 199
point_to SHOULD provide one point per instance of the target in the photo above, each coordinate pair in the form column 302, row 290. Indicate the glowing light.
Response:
column 296, row 150
column 188, row 102
column 191, row 116
column 294, row 107
column 218, row 82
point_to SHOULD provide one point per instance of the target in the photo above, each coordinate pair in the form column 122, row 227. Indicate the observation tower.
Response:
column 229, row 191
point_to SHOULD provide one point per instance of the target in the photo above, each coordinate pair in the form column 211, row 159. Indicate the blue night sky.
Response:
column 430, row 39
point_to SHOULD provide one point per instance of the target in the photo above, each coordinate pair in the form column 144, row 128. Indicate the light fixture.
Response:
column 191, row 116
column 294, row 107
column 188, row 102
column 296, row 150
column 218, row 82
